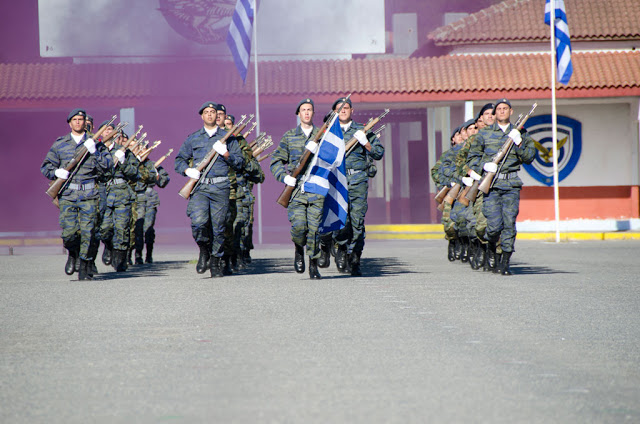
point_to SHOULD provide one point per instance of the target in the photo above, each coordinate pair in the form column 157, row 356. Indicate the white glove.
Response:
column 515, row 135
column 120, row 155
column 62, row 173
column 468, row 181
column 473, row 174
column 192, row 173
column 490, row 167
column 221, row 148
column 90, row 145
column 361, row 137
column 290, row 181
column 453, row 183
column 312, row 146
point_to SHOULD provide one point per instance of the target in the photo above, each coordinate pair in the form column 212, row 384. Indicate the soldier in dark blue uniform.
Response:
column 359, row 167
column 502, row 204
column 209, row 202
column 305, row 209
column 79, row 200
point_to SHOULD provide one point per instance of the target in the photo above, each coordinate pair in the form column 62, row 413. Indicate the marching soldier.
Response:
column 305, row 209
column 151, row 203
column 358, row 162
column 209, row 202
column 501, row 205
column 79, row 200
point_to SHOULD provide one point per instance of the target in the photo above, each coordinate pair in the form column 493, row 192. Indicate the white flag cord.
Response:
column 554, row 120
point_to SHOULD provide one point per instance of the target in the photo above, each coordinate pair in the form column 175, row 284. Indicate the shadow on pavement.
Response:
column 147, row 270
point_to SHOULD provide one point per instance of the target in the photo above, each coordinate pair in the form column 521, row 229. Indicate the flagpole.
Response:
column 554, row 120
column 255, row 64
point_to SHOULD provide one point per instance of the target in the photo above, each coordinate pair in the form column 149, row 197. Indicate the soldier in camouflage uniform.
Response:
column 160, row 178
column 305, row 209
column 116, row 223
column 358, row 161
column 501, row 205
column 79, row 200
column 209, row 202
column 147, row 176
column 101, row 182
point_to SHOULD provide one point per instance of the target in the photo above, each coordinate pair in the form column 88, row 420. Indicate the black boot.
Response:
column 128, row 256
column 120, row 263
column 247, row 256
column 464, row 249
column 341, row 259
column 354, row 262
column 226, row 265
column 451, row 250
column 92, row 269
column 106, row 253
column 325, row 255
column 504, row 263
column 83, row 272
column 298, row 260
column 490, row 262
column 457, row 248
column 70, row 266
column 313, row 269
column 139, row 257
column 216, row 267
column 203, row 259
column 149, row 256
column 496, row 269
column 478, row 255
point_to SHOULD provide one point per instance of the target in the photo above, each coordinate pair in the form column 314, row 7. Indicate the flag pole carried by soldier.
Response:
column 78, row 197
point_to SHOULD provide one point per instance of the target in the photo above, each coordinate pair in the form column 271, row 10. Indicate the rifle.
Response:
column 351, row 144
column 487, row 180
column 260, row 159
column 265, row 144
column 253, row 126
column 285, row 196
column 443, row 192
column 207, row 162
column 56, row 187
column 145, row 154
column 157, row 163
column 257, row 141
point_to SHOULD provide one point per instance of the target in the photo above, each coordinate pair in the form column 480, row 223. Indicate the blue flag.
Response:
column 239, row 36
column 327, row 177
column 563, row 41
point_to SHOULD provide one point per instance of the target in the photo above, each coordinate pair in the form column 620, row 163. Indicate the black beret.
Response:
column 90, row 118
column 222, row 108
column 231, row 118
column 304, row 102
column 468, row 123
column 503, row 100
column 453, row 133
column 341, row 100
column 484, row 109
column 75, row 112
column 105, row 123
column 206, row 105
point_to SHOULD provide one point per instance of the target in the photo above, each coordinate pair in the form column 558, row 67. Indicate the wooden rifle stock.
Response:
column 78, row 158
column 443, row 192
column 187, row 189
column 487, row 180
column 462, row 197
column 473, row 192
column 452, row 194
column 162, row 159
column 350, row 145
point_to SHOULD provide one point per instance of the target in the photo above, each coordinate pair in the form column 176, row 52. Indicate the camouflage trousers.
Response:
column 450, row 232
column 480, row 220
column 241, row 224
column 248, row 230
column 501, row 208
column 230, row 240
column 116, row 226
column 78, row 222
column 143, row 229
column 102, row 207
column 461, row 216
column 208, row 210
column 353, row 234
column 304, row 213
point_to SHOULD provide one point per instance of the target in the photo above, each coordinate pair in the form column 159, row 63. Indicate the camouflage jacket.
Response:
column 461, row 160
column 489, row 141
column 62, row 152
column 286, row 156
column 358, row 161
column 237, row 178
column 199, row 144
column 443, row 172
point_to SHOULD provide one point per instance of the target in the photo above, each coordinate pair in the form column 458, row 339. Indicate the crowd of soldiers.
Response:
column 481, row 229
column 109, row 195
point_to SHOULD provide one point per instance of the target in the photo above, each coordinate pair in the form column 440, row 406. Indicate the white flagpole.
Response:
column 255, row 64
column 554, row 120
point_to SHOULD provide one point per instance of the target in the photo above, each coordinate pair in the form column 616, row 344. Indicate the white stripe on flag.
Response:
column 563, row 39
column 239, row 36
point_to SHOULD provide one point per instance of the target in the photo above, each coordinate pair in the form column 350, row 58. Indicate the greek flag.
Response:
column 563, row 41
column 239, row 36
column 327, row 177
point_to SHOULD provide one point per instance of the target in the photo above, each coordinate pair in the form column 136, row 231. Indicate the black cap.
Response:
column 341, row 100
column 206, row 105
column 222, row 108
column 231, row 118
column 304, row 102
column 90, row 118
column 107, row 122
column 503, row 100
column 75, row 112
column 468, row 123
column 484, row 108
column 453, row 133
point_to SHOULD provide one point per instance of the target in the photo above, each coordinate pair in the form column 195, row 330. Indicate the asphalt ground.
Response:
column 416, row 339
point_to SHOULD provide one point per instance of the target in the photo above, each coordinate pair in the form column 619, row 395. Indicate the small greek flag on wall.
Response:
column 563, row 41
column 328, row 178
column 239, row 36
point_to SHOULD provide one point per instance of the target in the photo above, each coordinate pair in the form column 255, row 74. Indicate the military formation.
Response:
column 105, row 187
column 479, row 187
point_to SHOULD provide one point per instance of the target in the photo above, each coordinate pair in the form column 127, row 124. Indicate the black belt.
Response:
column 507, row 175
column 214, row 180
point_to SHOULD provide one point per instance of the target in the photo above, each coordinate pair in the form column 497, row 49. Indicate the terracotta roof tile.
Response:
column 523, row 21
column 425, row 77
